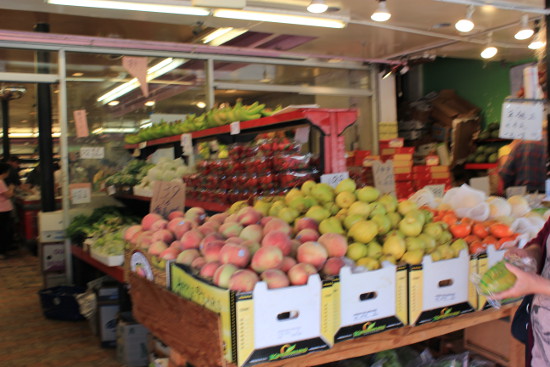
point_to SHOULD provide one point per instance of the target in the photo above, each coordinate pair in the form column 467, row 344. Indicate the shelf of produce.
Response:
column 210, row 206
column 480, row 165
column 116, row 272
column 318, row 116
column 154, row 307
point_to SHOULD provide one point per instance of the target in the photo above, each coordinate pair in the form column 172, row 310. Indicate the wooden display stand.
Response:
column 193, row 332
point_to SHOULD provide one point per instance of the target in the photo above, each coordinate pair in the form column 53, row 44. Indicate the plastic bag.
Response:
column 464, row 197
column 480, row 212
column 424, row 197
column 455, row 360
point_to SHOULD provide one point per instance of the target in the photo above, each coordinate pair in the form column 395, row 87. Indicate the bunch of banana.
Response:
column 237, row 205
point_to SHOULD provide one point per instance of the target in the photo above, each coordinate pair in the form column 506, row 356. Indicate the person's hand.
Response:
column 526, row 283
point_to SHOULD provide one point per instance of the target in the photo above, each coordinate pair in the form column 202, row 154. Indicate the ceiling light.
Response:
column 149, row 103
column 201, row 104
column 317, row 6
column 465, row 25
column 381, row 14
column 170, row 7
column 113, row 103
column 153, row 72
column 524, row 31
column 78, row 74
column 537, row 42
column 489, row 52
column 223, row 35
column 280, row 17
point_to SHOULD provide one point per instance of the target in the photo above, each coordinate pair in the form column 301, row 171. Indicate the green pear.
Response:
column 429, row 242
column 331, row 225
column 368, row 263
column 433, row 230
column 415, row 243
column 288, row 214
column 395, row 218
column 346, row 185
column 376, row 208
column 418, row 215
column 308, row 186
column 445, row 238
column 361, row 208
column 309, row 201
column 367, row 194
column 445, row 251
column 331, row 207
column 275, row 208
column 406, row 206
column 363, row 231
column 458, row 245
column 323, row 192
column 410, row 226
column 357, row 250
column 413, row 257
column 298, row 203
column 292, row 194
column 344, row 199
column 341, row 215
column 394, row 245
column 428, row 215
column 389, row 201
column 383, row 223
column 262, row 206
column 318, row 213
column 350, row 220
column 374, row 250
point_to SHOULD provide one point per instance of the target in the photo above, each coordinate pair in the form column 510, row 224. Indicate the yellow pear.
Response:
column 345, row 199
column 363, row 231
column 369, row 263
column 356, row 251
column 413, row 257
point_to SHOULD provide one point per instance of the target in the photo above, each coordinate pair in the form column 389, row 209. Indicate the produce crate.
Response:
column 265, row 324
column 59, row 303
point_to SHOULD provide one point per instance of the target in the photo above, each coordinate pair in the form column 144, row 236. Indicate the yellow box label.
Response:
column 330, row 310
column 482, row 267
column 402, row 169
column 401, row 296
column 245, row 329
column 472, row 292
column 416, row 281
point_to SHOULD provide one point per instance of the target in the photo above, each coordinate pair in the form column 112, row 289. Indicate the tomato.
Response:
column 469, row 221
column 460, row 230
column 480, row 230
column 471, row 238
column 490, row 240
column 477, row 247
column 500, row 230
column 449, row 218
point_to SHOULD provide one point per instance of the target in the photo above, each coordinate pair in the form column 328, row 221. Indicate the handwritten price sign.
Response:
column 167, row 197
column 81, row 193
column 384, row 179
column 521, row 120
column 235, row 128
column 333, row 179
column 438, row 190
column 92, row 152
column 187, row 143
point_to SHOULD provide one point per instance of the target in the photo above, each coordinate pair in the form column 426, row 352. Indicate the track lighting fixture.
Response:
column 524, row 31
column 538, row 41
column 465, row 25
column 381, row 14
column 317, row 6
column 489, row 51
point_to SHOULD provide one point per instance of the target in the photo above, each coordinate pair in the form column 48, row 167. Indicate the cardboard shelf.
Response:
column 202, row 328
column 116, row 272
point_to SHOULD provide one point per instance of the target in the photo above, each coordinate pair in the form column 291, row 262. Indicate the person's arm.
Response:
column 526, row 283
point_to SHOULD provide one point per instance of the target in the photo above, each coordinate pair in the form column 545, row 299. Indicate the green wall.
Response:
column 485, row 84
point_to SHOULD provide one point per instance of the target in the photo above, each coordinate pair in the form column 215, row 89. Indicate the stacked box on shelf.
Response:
column 431, row 175
column 387, row 130
column 402, row 166
column 412, row 129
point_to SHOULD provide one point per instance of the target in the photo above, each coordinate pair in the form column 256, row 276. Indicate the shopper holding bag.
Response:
column 6, row 207
column 538, row 284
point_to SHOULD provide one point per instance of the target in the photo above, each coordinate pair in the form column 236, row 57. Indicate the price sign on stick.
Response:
column 521, row 120
column 92, row 152
column 302, row 134
column 167, row 197
column 80, row 193
column 384, row 179
column 333, row 179
column 187, row 143
column 235, row 128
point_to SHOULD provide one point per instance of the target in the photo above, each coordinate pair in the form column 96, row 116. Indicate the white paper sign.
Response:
column 92, row 152
column 81, row 193
column 437, row 190
column 111, row 190
column 516, row 190
column 187, row 143
column 521, row 120
column 482, row 184
column 235, row 128
column 167, row 197
column 333, row 179
column 384, row 179
column 302, row 134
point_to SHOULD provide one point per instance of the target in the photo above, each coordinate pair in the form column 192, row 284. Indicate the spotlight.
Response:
column 524, row 31
column 465, row 25
column 317, row 6
column 538, row 41
column 490, row 51
column 381, row 14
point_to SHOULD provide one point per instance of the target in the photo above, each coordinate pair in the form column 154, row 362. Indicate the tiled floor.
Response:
column 27, row 338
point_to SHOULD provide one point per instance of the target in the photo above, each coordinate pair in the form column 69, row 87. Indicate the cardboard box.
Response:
column 113, row 260
column 399, row 170
column 402, row 177
column 54, row 279
column 441, row 289
column 265, row 324
column 387, row 136
column 391, row 143
column 52, row 256
column 462, row 139
column 442, row 133
column 392, row 151
column 50, row 226
column 430, row 169
column 370, row 301
column 131, row 344
column 448, row 106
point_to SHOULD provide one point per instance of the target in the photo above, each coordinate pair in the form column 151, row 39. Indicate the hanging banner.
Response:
column 137, row 67
column 81, row 123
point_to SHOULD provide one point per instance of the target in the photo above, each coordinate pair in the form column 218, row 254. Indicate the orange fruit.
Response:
column 471, row 238
column 480, row 230
column 460, row 230
column 449, row 218
column 500, row 230
column 477, row 247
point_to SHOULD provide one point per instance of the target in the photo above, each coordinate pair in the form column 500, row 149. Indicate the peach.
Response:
column 187, row 256
column 211, row 237
column 159, row 224
column 211, row 250
column 196, row 214
column 279, row 239
column 249, row 215
column 312, row 253
column 252, row 246
column 235, row 254
column 144, row 240
column 148, row 220
column 198, row 263
column 178, row 226
column 208, row 228
column 223, row 273
column 267, row 257
column 208, row 269
column 231, row 218
column 169, row 253
column 218, row 217
column 277, row 224
column 265, row 220
column 275, row 278
column 253, row 232
column 304, row 223
column 294, row 243
column 232, row 229
column 307, row 234
column 191, row 239
column 333, row 265
column 336, row 244
column 299, row 273
column 243, row 281
column 177, row 245
column 156, row 248
column 236, row 240
column 163, row 235
column 131, row 232
column 176, row 214
column 288, row 262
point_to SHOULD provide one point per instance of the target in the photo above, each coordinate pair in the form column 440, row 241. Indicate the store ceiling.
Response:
column 417, row 27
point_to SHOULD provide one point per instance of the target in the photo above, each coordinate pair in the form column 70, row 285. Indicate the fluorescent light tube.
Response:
column 169, row 7
column 279, row 18
column 226, row 37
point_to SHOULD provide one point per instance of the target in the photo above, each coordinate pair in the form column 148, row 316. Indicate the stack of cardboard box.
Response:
column 431, row 175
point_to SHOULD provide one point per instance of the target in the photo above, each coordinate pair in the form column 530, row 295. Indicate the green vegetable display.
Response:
column 130, row 175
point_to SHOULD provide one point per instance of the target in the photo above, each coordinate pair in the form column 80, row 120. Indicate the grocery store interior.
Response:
column 333, row 183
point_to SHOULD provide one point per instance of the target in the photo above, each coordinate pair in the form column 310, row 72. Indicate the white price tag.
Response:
column 111, row 190
column 333, row 179
column 437, row 190
column 384, row 179
column 302, row 134
column 81, row 193
column 142, row 145
column 521, row 120
column 516, row 190
column 187, row 143
column 92, row 152
column 235, row 128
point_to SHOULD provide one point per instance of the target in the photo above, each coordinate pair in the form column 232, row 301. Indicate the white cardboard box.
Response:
column 107, row 318
column 370, row 301
column 441, row 289
column 53, row 256
column 114, row 260
column 50, row 226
